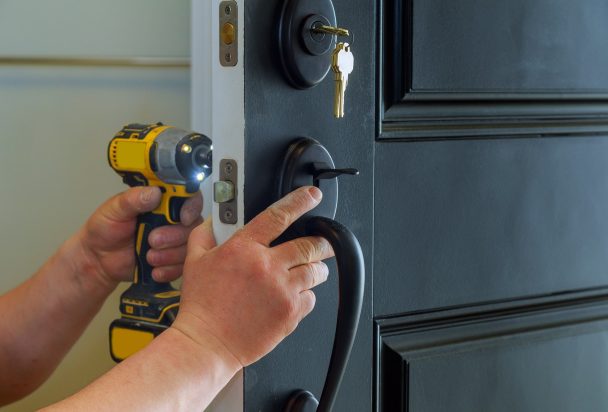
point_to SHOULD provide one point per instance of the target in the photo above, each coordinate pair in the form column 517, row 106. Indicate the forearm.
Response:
column 174, row 373
column 43, row 317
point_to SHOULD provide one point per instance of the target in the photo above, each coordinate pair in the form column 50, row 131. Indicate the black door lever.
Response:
column 308, row 161
column 321, row 170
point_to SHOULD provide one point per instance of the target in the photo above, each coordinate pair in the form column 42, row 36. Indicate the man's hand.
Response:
column 68, row 290
column 239, row 300
column 108, row 237
column 243, row 297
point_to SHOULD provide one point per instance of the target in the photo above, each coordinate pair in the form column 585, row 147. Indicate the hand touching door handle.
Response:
column 351, row 280
column 308, row 162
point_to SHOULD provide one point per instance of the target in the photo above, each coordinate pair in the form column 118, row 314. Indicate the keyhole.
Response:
column 317, row 36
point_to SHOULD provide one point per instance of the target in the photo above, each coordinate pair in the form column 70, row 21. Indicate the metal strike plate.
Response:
column 228, row 179
column 229, row 33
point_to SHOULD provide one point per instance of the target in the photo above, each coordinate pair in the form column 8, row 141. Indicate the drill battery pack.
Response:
column 129, row 336
column 145, row 315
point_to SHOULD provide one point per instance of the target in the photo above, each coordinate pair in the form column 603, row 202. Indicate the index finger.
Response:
column 127, row 205
column 272, row 222
column 192, row 209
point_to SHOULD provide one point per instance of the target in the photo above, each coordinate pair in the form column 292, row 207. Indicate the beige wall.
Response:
column 55, row 125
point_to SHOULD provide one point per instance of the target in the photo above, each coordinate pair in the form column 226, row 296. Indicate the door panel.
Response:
column 541, row 359
column 491, row 68
column 516, row 46
column 484, row 220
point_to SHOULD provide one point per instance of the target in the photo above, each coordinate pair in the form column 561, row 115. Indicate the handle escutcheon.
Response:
column 308, row 162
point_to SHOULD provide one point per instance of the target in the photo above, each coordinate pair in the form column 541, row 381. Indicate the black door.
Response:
column 479, row 130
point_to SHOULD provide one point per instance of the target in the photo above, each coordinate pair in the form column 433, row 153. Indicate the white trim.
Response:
column 218, row 100
column 200, row 83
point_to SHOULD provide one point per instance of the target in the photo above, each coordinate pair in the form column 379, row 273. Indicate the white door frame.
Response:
column 218, row 100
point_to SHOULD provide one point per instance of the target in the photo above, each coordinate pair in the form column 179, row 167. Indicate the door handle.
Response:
column 351, row 281
column 301, row 161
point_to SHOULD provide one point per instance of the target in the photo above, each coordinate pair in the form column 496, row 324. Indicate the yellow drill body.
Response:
column 176, row 161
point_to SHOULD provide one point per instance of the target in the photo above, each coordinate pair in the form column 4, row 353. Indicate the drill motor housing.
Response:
column 175, row 160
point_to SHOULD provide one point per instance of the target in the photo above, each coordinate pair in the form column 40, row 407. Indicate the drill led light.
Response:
column 200, row 177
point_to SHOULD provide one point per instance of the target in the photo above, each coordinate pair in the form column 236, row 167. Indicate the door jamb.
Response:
column 218, row 110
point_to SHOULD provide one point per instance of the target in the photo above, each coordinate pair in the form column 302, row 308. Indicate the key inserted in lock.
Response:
column 304, row 51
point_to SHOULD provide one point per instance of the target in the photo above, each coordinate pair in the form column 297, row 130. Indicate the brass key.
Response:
column 342, row 65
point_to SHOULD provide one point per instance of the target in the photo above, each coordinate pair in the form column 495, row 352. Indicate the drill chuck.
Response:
column 180, row 158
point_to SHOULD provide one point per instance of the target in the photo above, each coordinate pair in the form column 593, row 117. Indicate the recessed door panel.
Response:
column 465, row 222
column 509, row 46
column 535, row 360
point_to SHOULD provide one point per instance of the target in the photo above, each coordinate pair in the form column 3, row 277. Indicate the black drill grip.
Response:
column 143, row 273
column 147, row 307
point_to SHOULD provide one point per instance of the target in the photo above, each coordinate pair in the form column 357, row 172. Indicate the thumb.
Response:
column 127, row 205
column 202, row 239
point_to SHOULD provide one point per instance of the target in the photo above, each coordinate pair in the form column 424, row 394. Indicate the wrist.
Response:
column 193, row 329
column 84, row 266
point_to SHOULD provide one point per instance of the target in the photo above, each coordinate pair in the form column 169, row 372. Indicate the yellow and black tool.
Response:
column 177, row 161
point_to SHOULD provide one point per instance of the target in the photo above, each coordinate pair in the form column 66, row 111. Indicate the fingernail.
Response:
column 147, row 194
column 316, row 193
column 157, row 275
column 154, row 240
column 188, row 216
column 324, row 270
column 150, row 257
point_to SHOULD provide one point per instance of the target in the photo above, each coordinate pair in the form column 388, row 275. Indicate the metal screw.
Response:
column 228, row 168
column 227, row 10
column 228, row 214
column 228, row 57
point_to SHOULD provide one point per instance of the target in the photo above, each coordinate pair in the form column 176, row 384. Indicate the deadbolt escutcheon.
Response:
column 304, row 54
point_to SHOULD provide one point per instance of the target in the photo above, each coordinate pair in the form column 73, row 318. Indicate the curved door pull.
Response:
column 298, row 169
column 351, row 280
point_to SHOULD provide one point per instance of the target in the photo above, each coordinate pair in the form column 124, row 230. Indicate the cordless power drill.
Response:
column 176, row 161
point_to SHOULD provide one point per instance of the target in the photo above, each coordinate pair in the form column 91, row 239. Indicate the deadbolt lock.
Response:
column 303, row 45
column 228, row 35
column 309, row 48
